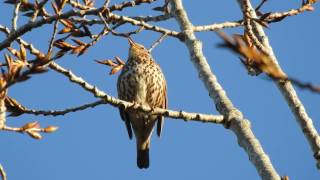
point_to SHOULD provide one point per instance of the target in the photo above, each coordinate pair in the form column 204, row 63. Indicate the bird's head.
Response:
column 137, row 51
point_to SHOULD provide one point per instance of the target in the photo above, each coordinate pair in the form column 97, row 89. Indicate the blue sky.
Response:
column 93, row 144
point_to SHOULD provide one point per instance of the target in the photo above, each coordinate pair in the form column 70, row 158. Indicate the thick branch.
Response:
column 216, row 26
column 239, row 125
column 286, row 88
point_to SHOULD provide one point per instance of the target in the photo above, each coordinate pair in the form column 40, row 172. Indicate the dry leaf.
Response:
column 55, row 7
column 14, row 52
column 23, row 53
column 34, row 134
column 67, row 23
column 78, row 42
column 65, row 30
column 50, row 129
column 30, row 125
column 78, row 50
column 13, row 106
column 119, row 60
column 116, row 69
column 63, row 45
column 107, row 62
column 257, row 58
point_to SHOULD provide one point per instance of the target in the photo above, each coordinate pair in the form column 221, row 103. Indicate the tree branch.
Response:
column 107, row 99
column 3, row 109
column 286, row 87
column 24, row 110
column 120, row 7
column 15, row 15
column 147, row 26
column 216, row 26
column 239, row 125
column 2, row 112
column 54, row 33
column 80, row 13
column 206, row 118
column 3, row 173
column 293, row 12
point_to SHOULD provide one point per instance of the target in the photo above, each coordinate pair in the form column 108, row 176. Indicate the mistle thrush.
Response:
column 142, row 81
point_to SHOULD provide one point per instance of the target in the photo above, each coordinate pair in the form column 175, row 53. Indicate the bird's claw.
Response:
column 135, row 105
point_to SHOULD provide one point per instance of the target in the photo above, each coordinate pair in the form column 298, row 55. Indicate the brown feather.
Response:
column 165, row 106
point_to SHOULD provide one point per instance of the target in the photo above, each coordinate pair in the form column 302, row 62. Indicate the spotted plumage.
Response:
column 142, row 81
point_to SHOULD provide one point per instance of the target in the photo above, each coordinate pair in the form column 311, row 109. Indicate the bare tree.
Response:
column 74, row 32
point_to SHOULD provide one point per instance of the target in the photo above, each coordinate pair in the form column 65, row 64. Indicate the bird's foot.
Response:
column 152, row 108
column 135, row 105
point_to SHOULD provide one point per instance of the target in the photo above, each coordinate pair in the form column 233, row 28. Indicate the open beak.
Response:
column 130, row 41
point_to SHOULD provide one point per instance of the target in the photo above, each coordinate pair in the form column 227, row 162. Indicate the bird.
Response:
column 142, row 82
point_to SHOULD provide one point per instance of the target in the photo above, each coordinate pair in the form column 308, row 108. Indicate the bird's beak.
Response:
column 131, row 42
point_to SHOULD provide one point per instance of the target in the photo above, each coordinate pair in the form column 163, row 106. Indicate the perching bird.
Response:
column 142, row 81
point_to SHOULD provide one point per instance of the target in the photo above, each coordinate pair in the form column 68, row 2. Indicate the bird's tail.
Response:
column 143, row 158
column 143, row 152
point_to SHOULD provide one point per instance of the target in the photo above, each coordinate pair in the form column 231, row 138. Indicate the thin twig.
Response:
column 38, row 10
column 29, row 46
column 118, row 18
column 104, row 22
column 54, row 33
column 24, row 110
column 78, row 5
column 106, row 3
column 94, row 21
column 260, row 5
column 32, row 129
column 162, row 17
column 13, row 129
column 15, row 15
column 113, row 32
column 156, row 43
column 114, row 17
column 277, row 16
column 120, row 7
column 3, row 173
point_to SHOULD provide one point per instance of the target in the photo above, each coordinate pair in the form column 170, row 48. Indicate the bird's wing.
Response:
column 123, row 114
column 125, row 118
column 163, row 105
